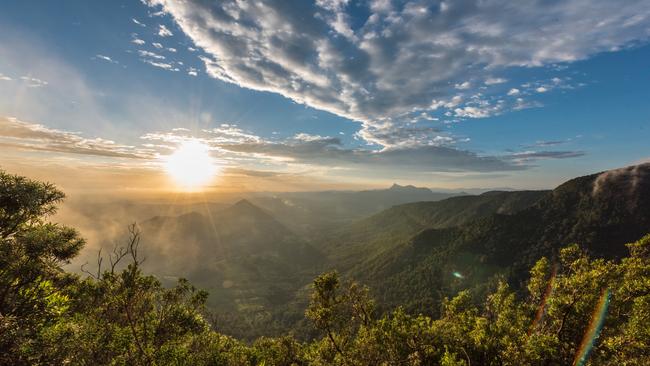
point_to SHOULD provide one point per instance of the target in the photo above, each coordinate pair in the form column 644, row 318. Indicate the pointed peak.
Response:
column 244, row 203
column 245, row 206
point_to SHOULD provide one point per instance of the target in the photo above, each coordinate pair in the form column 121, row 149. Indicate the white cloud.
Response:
column 494, row 81
column 164, row 31
column 138, row 22
column 541, row 89
column 143, row 53
column 529, row 156
column 473, row 112
column 106, row 58
column 138, row 41
column 162, row 65
column 514, row 91
column 171, row 49
column 463, row 86
column 402, row 58
column 157, row 45
column 4, row 77
column 33, row 82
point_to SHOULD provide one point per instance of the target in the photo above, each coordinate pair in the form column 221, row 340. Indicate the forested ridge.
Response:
column 581, row 305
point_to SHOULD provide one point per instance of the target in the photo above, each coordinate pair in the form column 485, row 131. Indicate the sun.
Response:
column 191, row 166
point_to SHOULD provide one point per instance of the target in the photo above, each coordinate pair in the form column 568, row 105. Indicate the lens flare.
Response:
column 594, row 328
column 541, row 310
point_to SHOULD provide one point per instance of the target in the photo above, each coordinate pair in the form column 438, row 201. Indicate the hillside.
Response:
column 373, row 235
column 242, row 255
column 600, row 212
column 309, row 212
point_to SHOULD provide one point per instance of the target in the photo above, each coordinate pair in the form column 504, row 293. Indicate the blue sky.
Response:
column 329, row 94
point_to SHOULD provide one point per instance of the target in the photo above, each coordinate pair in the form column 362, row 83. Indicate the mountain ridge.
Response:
column 589, row 210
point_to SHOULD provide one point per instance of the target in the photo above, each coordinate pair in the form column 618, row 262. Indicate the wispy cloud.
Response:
column 22, row 135
column 150, row 54
column 138, row 22
column 105, row 58
column 529, row 156
column 33, row 82
column 161, row 65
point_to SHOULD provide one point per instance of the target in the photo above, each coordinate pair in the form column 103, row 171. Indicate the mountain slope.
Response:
column 307, row 212
column 380, row 232
column 601, row 212
column 242, row 255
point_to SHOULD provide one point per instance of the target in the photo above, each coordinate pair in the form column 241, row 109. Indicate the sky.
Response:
column 325, row 94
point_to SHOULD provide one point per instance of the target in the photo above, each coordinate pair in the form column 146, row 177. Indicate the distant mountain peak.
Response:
column 244, row 203
column 409, row 187
column 245, row 207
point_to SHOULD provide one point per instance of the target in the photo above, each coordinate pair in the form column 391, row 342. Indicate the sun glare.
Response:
column 191, row 166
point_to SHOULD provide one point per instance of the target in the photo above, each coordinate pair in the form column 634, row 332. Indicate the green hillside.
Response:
column 600, row 212
column 381, row 232
column 118, row 315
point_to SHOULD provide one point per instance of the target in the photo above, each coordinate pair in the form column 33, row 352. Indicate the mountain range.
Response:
column 412, row 246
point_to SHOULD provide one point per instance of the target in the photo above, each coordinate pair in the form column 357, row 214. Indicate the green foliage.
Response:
column 120, row 316
column 32, row 283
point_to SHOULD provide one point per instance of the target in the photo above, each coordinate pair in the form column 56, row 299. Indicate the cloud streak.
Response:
column 22, row 135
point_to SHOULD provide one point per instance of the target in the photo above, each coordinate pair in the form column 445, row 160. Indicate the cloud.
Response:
column 33, row 82
column 164, row 31
column 329, row 152
column 231, row 143
column 138, row 22
column 463, row 86
column 4, row 77
column 401, row 58
column 161, row 65
column 22, row 135
column 136, row 40
column 157, row 45
column 389, row 134
column 527, row 156
column 514, row 91
column 150, row 54
column 549, row 143
column 253, row 173
column 105, row 58
column 494, row 81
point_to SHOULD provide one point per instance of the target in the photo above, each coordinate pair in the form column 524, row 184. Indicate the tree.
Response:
column 33, row 286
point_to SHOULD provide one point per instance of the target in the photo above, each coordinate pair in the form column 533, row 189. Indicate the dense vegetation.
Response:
column 118, row 315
